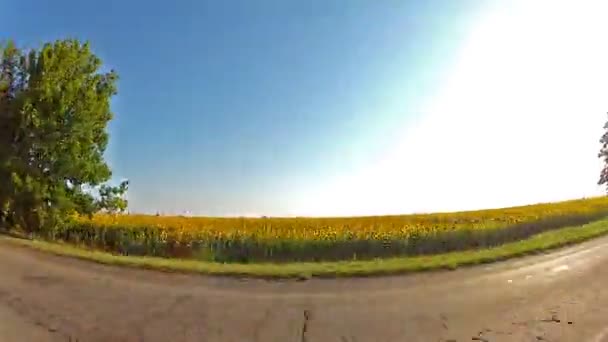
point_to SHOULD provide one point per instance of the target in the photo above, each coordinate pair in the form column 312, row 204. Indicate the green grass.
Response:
column 540, row 242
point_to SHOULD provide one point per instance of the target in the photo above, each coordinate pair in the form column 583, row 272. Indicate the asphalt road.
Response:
column 561, row 296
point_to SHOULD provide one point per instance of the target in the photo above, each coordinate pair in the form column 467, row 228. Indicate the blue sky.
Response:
column 284, row 107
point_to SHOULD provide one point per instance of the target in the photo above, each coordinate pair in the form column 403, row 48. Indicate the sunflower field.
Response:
column 319, row 239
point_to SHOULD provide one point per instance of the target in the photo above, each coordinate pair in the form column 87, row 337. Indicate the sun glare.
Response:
column 516, row 120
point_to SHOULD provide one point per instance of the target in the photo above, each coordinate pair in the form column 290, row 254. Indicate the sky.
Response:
column 343, row 107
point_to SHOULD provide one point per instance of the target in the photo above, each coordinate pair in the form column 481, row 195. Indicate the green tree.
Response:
column 604, row 154
column 54, row 111
column 111, row 199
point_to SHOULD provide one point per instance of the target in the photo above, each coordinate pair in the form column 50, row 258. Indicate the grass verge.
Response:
column 540, row 242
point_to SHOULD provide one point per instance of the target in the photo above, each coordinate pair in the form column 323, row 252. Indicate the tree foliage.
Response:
column 604, row 155
column 54, row 111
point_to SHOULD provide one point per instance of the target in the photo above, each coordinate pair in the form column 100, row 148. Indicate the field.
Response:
column 245, row 240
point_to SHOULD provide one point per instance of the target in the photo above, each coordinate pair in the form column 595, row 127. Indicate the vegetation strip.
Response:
column 285, row 240
column 540, row 242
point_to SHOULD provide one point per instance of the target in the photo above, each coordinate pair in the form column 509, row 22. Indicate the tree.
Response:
column 111, row 199
column 54, row 111
column 604, row 154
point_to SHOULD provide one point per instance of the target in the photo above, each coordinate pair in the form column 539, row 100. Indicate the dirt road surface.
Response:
column 561, row 296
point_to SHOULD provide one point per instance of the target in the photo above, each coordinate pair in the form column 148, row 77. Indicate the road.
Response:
column 561, row 296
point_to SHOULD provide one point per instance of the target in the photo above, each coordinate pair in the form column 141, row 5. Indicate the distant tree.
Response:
column 604, row 155
column 54, row 110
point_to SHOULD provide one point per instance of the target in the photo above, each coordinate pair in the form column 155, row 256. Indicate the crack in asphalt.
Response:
column 307, row 317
